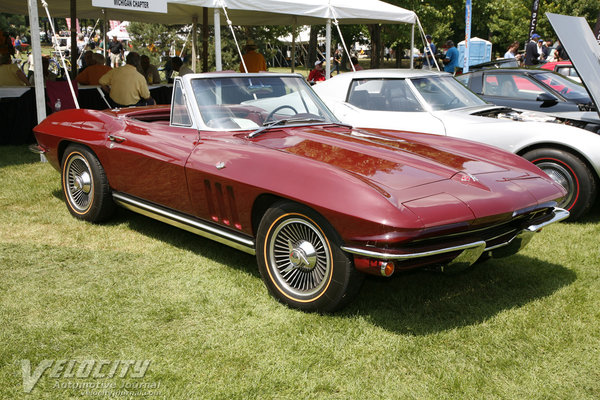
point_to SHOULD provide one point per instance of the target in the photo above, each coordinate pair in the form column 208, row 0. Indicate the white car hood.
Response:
column 578, row 39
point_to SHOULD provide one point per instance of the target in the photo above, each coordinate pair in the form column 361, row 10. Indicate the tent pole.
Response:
column 217, row 19
column 294, row 45
column 194, row 42
column 328, row 50
column 412, row 45
column 104, row 34
column 36, row 47
column 205, row 39
column 74, row 50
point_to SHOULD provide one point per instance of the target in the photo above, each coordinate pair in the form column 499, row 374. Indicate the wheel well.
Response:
column 566, row 149
column 62, row 146
column 260, row 206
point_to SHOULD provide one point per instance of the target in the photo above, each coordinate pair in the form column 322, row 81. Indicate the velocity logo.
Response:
column 82, row 369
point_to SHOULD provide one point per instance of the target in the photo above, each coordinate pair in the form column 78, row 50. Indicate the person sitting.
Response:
column 92, row 73
column 255, row 62
column 87, row 60
column 178, row 66
column 149, row 71
column 354, row 62
column 317, row 74
column 126, row 86
column 46, row 73
column 11, row 74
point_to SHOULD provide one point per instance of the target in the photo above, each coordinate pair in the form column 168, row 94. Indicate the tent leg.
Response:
column 412, row 46
column 34, row 26
column 217, row 19
column 205, row 39
column 328, row 50
column 194, row 42
column 294, row 45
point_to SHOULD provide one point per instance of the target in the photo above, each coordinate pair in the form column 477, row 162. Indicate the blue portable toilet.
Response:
column 480, row 51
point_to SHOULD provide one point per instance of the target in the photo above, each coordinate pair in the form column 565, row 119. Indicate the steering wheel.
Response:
column 277, row 109
column 455, row 100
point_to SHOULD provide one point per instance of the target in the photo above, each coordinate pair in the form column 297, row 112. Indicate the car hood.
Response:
column 578, row 39
column 409, row 168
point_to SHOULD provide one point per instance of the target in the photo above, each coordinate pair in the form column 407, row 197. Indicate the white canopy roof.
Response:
column 241, row 12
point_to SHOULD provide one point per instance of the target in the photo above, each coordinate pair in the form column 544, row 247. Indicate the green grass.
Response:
column 525, row 327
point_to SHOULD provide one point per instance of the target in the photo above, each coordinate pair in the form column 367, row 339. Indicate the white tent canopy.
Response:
column 240, row 12
column 120, row 31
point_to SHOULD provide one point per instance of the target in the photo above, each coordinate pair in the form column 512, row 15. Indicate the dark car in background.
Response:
column 536, row 90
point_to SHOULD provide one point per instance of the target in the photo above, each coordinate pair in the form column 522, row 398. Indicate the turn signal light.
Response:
column 374, row 267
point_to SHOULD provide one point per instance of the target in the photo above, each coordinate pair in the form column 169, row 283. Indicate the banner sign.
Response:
column 534, row 18
column 467, row 36
column 159, row 6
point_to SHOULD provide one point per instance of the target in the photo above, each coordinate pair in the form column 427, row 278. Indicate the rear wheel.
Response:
column 301, row 262
column 84, row 183
column 572, row 174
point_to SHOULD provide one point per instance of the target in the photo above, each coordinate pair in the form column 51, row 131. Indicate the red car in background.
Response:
column 258, row 162
column 564, row 68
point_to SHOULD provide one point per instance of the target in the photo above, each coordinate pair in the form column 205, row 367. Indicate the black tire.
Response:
column 571, row 173
column 301, row 262
column 84, row 183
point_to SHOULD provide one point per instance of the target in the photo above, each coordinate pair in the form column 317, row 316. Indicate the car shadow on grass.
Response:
column 422, row 302
column 413, row 303
column 187, row 241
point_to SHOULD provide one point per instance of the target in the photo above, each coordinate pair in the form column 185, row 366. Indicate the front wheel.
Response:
column 572, row 174
column 84, row 183
column 301, row 262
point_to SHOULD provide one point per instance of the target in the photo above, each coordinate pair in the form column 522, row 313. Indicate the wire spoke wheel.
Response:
column 79, row 184
column 87, row 193
column 300, row 257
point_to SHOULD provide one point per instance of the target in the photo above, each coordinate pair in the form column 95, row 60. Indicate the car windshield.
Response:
column 566, row 87
column 445, row 93
column 246, row 102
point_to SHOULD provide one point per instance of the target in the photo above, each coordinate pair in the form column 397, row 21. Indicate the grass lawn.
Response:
column 525, row 327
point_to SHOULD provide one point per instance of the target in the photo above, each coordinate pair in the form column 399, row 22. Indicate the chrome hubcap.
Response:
column 79, row 186
column 563, row 177
column 300, row 257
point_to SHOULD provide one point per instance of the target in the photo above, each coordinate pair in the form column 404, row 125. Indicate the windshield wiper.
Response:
column 283, row 121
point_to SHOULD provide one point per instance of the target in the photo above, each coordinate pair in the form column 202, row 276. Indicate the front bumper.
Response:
column 460, row 256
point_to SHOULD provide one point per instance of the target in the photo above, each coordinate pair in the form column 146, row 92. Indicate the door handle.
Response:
column 117, row 139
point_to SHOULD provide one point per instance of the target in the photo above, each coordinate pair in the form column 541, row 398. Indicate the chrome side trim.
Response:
column 383, row 255
column 237, row 241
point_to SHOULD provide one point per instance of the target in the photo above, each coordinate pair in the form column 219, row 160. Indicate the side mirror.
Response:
column 547, row 99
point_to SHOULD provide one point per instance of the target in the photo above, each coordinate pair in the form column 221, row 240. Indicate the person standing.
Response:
column 255, row 62
column 337, row 61
column 429, row 53
column 451, row 58
column 532, row 57
column 116, row 52
column 512, row 50
column 126, row 86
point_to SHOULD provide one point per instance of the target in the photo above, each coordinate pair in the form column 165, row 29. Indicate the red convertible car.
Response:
column 257, row 162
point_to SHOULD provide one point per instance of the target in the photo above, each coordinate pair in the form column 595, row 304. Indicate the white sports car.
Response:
column 434, row 102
